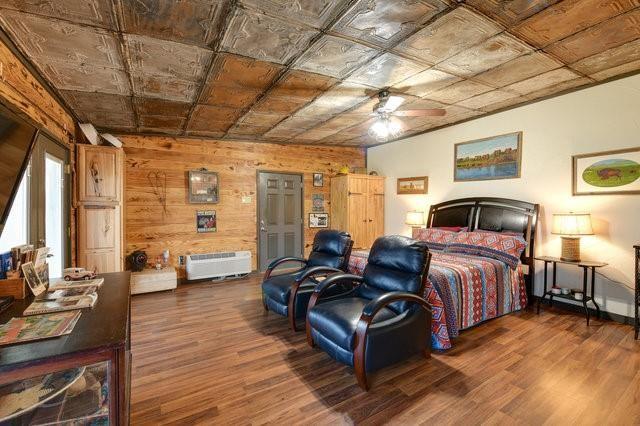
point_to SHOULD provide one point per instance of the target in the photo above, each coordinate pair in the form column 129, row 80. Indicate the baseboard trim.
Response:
column 622, row 319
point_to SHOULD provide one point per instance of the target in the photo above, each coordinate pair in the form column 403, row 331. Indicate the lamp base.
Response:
column 570, row 249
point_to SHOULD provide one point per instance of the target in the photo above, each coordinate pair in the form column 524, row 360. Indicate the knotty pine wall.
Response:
column 149, row 228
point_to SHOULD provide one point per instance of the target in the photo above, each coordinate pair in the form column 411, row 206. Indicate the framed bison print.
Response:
column 610, row 172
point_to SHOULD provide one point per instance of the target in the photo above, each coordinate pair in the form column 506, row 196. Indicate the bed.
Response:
column 465, row 289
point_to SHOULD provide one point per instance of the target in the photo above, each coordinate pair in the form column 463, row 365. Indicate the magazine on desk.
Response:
column 53, row 294
column 38, row 327
column 62, row 284
column 43, row 306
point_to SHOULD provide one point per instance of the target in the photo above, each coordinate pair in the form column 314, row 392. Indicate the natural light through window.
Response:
column 54, row 237
column 16, row 230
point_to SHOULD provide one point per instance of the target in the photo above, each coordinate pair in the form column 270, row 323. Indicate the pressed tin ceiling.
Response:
column 308, row 71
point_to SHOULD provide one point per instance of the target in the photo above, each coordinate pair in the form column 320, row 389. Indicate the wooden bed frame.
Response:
column 493, row 214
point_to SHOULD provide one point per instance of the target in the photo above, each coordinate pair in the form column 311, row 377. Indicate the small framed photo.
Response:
column 206, row 221
column 318, row 179
column 203, row 187
column 413, row 185
column 318, row 220
column 317, row 203
column 33, row 279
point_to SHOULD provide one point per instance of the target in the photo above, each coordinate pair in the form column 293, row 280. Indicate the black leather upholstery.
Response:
column 330, row 249
column 396, row 266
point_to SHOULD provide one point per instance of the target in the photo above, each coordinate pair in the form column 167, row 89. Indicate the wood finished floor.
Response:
column 207, row 354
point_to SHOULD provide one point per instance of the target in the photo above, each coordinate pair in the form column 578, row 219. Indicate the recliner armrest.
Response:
column 371, row 309
column 316, row 270
column 336, row 279
column 273, row 265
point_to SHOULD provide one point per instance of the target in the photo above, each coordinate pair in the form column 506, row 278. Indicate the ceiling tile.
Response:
column 46, row 40
column 565, row 85
column 245, row 130
column 511, row 12
column 234, row 70
column 302, row 84
column 631, row 67
column 568, row 17
column 340, row 98
column 151, row 106
column 542, row 81
column 597, row 39
column 164, row 87
column 86, row 78
column 450, row 34
column 615, row 57
column 263, row 37
column 186, row 21
column 459, row 92
column 518, row 69
column 90, row 12
column 426, row 82
column 257, row 119
column 335, row 57
column 505, row 104
column 341, row 122
column 314, row 135
column 293, row 126
column 385, row 22
column 491, row 53
column 208, row 119
column 385, row 70
column 315, row 13
column 279, row 105
column 161, row 122
column 102, row 110
column 477, row 102
column 166, row 58
column 230, row 96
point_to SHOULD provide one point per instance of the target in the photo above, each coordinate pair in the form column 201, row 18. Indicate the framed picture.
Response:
column 497, row 157
column 317, row 202
column 318, row 220
column 203, row 187
column 206, row 221
column 33, row 279
column 318, row 179
column 609, row 172
column 413, row 185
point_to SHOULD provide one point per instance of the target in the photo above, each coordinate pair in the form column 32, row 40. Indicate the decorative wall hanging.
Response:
column 318, row 220
column 497, row 157
column 318, row 179
column 158, row 181
column 608, row 172
column 203, row 186
column 317, row 202
column 413, row 185
column 206, row 221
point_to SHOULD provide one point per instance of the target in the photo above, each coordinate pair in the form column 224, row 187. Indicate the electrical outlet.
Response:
column 181, row 260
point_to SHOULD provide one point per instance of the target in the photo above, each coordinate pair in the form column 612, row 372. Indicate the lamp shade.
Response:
column 415, row 218
column 572, row 224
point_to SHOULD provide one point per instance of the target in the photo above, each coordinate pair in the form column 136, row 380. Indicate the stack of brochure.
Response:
column 38, row 327
column 63, row 285
column 66, row 296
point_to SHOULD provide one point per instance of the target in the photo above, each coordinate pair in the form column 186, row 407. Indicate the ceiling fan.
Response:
column 385, row 125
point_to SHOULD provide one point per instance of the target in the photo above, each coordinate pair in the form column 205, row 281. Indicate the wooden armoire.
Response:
column 357, row 206
column 100, row 208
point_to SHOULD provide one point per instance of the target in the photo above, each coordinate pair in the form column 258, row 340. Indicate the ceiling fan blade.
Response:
column 393, row 103
column 436, row 112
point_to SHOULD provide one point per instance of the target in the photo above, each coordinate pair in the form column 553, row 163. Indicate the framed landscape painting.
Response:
column 609, row 172
column 497, row 157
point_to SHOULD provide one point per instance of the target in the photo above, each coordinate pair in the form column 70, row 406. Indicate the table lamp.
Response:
column 415, row 219
column 571, row 226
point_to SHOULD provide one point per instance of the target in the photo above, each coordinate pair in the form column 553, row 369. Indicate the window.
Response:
column 16, row 230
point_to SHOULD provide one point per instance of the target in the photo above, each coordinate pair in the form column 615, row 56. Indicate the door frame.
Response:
column 258, row 206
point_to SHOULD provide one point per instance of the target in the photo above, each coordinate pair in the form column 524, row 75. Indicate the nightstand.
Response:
column 587, row 267
column 637, row 299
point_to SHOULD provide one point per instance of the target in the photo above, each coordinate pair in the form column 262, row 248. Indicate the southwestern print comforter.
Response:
column 463, row 291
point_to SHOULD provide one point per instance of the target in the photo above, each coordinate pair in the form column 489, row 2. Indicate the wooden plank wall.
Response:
column 148, row 228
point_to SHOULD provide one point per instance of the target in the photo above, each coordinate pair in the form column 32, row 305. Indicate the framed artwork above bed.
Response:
column 496, row 157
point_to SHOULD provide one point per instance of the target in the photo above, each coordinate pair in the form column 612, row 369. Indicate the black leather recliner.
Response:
column 384, row 318
column 288, row 294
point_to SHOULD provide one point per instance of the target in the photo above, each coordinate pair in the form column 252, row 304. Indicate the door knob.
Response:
column 262, row 227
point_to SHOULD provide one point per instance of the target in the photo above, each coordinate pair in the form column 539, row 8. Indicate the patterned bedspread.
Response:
column 463, row 291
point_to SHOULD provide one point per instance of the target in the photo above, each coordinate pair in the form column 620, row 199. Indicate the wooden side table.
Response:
column 586, row 267
column 150, row 280
column 637, row 300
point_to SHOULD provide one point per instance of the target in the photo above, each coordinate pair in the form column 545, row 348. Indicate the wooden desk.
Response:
column 101, row 334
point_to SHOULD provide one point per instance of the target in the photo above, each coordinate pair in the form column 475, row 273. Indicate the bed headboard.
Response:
column 492, row 214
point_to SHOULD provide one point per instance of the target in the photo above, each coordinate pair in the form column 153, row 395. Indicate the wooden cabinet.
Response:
column 100, row 206
column 357, row 206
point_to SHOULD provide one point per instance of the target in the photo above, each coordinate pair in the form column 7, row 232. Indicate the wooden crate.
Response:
column 13, row 287
column 150, row 280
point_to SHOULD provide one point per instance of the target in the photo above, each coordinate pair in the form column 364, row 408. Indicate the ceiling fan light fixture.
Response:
column 385, row 128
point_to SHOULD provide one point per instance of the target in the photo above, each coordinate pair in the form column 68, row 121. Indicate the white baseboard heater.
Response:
column 232, row 264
